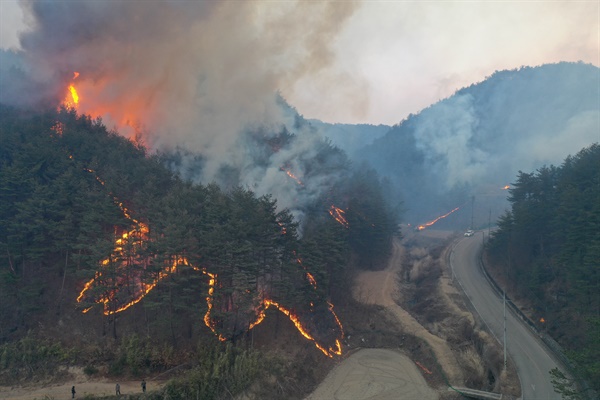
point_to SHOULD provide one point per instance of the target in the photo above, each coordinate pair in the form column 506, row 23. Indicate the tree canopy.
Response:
column 548, row 245
column 90, row 221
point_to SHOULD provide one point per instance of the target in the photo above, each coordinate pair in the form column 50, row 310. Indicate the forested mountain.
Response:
column 548, row 248
column 99, row 239
column 474, row 142
column 350, row 137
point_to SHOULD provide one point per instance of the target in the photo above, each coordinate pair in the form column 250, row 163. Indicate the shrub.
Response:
column 90, row 370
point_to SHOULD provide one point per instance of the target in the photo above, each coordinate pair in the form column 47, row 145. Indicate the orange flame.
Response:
column 330, row 352
column 267, row 302
column 138, row 236
column 283, row 228
column 212, row 281
column 309, row 276
column 421, row 227
column 506, row 187
column 311, row 279
column 59, row 129
column 74, row 94
column 338, row 215
column 72, row 98
column 291, row 175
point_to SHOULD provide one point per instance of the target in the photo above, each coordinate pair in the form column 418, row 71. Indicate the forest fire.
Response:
column 427, row 224
column 291, row 175
column 309, row 276
column 130, row 268
column 126, row 276
column 265, row 304
column 329, row 352
column 125, row 259
column 74, row 95
column 212, row 281
column 311, row 279
column 124, row 113
column 338, row 215
column 72, row 98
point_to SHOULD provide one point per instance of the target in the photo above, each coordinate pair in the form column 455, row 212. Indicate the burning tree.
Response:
column 132, row 231
column 246, row 261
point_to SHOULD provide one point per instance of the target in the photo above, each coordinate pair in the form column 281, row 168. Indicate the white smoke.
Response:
column 476, row 141
column 445, row 136
column 188, row 75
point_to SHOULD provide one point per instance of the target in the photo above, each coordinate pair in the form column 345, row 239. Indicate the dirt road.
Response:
column 83, row 387
column 379, row 287
column 375, row 374
column 381, row 374
column 368, row 374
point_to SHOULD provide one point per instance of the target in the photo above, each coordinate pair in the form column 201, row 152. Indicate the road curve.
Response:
column 529, row 355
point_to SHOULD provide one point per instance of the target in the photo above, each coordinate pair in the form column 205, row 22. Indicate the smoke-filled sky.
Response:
column 373, row 62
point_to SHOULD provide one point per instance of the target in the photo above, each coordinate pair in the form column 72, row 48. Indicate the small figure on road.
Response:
column 73, row 392
column 144, row 386
column 118, row 389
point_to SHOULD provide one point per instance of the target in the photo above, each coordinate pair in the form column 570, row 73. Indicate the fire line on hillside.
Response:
column 129, row 244
column 430, row 223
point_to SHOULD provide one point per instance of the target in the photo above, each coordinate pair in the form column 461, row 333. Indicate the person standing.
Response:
column 73, row 392
column 144, row 386
column 118, row 389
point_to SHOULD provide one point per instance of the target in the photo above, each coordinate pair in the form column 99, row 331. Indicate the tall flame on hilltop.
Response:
column 125, row 118
column 124, row 278
column 72, row 98
column 425, row 225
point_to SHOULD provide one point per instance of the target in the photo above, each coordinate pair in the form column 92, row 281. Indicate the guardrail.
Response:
column 480, row 394
column 555, row 349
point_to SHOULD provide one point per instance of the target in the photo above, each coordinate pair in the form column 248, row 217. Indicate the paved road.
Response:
column 531, row 358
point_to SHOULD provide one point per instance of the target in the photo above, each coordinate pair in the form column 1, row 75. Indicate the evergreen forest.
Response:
column 547, row 246
column 112, row 261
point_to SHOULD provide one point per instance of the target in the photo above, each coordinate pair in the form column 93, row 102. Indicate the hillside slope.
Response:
column 113, row 263
column 546, row 250
column 474, row 142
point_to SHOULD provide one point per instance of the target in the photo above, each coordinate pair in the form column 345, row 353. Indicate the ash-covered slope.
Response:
column 474, row 142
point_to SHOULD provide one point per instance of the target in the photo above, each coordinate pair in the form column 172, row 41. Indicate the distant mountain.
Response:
column 463, row 150
column 348, row 137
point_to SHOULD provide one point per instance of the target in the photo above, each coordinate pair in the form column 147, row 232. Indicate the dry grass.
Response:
column 430, row 296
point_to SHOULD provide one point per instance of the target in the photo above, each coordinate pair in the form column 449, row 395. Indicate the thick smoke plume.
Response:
column 473, row 143
column 192, row 75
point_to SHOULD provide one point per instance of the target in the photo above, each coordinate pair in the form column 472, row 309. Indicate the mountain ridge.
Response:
column 475, row 141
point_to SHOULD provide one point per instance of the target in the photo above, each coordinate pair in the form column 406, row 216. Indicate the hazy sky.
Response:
column 397, row 57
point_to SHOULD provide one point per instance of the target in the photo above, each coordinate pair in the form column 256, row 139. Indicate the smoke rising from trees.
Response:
column 184, row 75
column 474, row 142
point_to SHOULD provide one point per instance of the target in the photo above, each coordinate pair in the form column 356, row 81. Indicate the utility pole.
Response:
column 504, row 301
column 472, row 210
column 490, row 223
column 504, row 298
